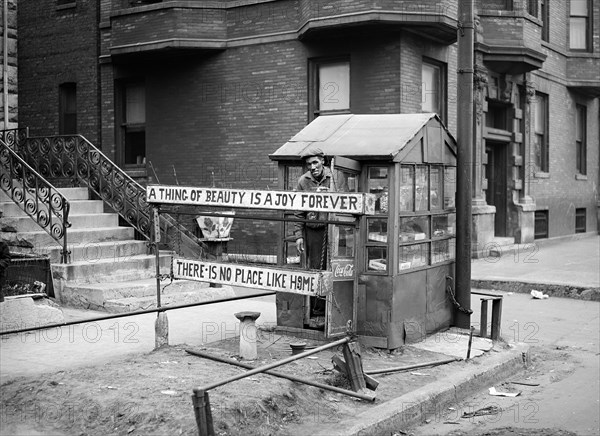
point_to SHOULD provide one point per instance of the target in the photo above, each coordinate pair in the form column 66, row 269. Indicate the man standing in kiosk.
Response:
column 311, row 238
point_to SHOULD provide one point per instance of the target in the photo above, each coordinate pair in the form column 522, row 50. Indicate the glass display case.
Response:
column 427, row 225
column 377, row 226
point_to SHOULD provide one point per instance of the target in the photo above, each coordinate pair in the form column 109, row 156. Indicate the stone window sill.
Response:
column 542, row 175
column 64, row 6
column 580, row 177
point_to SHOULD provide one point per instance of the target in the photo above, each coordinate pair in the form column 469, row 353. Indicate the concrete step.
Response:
column 69, row 193
column 141, row 266
column 78, row 207
column 90, row 251
column 28, row 224
column 131, row 304
column 120, row 296
column 39, row 239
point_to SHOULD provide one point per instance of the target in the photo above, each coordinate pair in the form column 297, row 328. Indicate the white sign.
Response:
column 317, row 283
column 336, row 202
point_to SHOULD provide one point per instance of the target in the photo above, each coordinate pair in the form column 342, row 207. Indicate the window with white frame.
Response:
column 329, row 86
column 579, row 25
column 433, row 88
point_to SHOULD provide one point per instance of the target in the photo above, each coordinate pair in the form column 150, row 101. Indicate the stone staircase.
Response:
column 108, row 269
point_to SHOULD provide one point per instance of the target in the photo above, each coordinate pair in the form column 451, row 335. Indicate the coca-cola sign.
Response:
column 342, row 269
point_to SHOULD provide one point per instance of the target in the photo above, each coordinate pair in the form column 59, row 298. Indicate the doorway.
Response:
column 497, row 190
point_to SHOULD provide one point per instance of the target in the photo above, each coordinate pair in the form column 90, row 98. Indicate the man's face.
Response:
column 315, row 165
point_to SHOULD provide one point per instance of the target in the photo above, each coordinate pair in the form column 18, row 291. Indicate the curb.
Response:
column 414, row 407
column 588, row 293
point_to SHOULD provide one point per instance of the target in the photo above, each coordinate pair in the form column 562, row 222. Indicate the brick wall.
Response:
column 561, row 192
column 10, row 95
column 56, row 46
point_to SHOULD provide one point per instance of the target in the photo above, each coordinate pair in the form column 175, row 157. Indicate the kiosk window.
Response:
column 413, row 256
column 443, row 250
column 378, row 230
column 421, row 188
column 407, row 183
column 449, row 187
column 444, row 225
column 343, row 241
column 427, row 222
column 436, row 180
column 379, row 185
column 414, row 228
column 377, row 259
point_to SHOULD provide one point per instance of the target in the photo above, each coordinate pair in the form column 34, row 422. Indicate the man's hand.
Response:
column 300, row 245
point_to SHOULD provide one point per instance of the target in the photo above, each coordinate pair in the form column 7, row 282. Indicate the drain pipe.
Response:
column 5, row 62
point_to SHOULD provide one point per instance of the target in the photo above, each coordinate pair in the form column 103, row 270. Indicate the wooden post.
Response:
column 496, row 318
column 341, row 366
column 203, row 413
column 354, row 365
column 483, row 318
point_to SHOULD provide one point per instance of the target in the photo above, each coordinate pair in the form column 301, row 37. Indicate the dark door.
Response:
column 496, row 174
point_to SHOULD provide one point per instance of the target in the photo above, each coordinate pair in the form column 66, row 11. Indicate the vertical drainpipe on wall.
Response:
column 464, row 162
column 5, row 61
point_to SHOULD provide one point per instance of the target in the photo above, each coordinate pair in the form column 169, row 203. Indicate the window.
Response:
column 377, row 233
column 580, row 138
column 497, row 115
column 540, row 124
column 532, row 7
column 541, row 224
column 545, row 17
column 580, row 220
column 67, row 109
column 433, row 88
column 579, row 25
column 134, row 126
column 329, row 87
column 427, row 221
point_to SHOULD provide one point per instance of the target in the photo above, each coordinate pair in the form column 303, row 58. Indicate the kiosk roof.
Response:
column 380, row 136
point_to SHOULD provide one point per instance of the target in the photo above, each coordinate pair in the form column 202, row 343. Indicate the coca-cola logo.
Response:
column 343, row 270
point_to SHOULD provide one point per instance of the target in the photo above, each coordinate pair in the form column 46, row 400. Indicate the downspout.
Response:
column 5, row 62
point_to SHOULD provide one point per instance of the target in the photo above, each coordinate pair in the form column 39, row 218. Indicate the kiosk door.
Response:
column 341, row 303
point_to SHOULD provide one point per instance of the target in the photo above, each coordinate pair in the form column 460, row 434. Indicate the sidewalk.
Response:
column 564, row 268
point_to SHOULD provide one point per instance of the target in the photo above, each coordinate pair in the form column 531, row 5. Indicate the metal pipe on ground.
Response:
column 272, row 365
column 406, row 368
column 138, row 312
column 282, row 375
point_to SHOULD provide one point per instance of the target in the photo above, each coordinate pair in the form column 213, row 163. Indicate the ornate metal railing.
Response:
column 14, row 137
column 74, row 157
column 38, row 198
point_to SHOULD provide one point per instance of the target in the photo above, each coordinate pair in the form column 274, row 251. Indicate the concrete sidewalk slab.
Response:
column 562, row 268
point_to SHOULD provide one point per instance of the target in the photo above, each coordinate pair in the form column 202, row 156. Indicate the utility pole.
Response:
column 464, row 170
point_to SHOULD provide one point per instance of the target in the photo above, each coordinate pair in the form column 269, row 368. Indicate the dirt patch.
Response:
column 150, row 394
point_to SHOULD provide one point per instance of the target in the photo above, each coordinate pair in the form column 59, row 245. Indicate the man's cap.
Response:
column 312, row 152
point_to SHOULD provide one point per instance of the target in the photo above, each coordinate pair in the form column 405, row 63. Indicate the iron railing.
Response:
column 36, row 196
column 73, row 157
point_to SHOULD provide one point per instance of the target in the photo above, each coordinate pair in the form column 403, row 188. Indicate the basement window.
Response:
column 541, row 224
column 580, row 220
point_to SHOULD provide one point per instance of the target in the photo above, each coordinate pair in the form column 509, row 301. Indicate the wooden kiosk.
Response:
column 393, row 272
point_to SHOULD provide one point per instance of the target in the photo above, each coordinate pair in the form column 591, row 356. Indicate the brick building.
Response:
column 8, row 76
column 201, row 92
